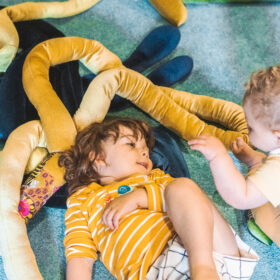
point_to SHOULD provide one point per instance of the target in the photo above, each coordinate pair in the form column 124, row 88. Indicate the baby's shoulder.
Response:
column 271, row 160
column 83, row 193
column 159, row 175
column 269, row 168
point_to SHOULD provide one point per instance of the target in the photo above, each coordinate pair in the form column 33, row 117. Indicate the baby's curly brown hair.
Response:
column 263, row 95
column 79, row 166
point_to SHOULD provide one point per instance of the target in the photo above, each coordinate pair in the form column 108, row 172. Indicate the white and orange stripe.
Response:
column 129, row 251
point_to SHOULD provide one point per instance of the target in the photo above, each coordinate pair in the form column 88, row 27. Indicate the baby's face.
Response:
column 261, row 136
column 127, row 157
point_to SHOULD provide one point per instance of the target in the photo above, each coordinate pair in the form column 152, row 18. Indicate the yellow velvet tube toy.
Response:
column 173, row 10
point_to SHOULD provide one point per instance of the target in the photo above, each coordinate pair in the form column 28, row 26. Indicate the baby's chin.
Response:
column 142, row 171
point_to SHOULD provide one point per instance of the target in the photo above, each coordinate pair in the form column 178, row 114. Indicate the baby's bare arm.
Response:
column 230, row 183
column 79, row 269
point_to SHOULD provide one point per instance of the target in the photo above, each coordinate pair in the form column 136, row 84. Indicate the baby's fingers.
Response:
column 237, row 145
column 197, row 141
column 197, row 144
column 233, row 146
column 116, row 219
column 240, row 142
column 107, row 217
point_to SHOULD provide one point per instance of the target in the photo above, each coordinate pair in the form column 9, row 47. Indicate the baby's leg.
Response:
column 246, row 154
column 200, row 226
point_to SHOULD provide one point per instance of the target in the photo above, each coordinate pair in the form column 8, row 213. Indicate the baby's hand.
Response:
column 245, row 153
column 238, row 146
column 209, row 146
column 120, row 206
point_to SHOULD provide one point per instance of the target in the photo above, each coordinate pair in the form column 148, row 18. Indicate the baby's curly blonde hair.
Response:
column 263, row 96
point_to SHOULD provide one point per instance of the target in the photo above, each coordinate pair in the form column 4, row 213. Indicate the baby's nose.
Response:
column 145, row 152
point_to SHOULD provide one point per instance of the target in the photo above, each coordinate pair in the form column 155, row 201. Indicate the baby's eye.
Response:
column 131, row 144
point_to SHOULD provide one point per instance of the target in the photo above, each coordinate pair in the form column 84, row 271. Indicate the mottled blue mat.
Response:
column 227, row 43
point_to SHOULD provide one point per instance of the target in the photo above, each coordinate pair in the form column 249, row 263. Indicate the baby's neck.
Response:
column 111, row 180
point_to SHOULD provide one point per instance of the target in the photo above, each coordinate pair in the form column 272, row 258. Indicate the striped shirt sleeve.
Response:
column 77, row 241
column 155, row 190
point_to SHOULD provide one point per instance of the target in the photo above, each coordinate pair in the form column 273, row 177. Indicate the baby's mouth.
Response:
column 143, row 164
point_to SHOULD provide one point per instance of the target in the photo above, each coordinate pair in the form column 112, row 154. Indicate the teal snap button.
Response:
column 124, row 189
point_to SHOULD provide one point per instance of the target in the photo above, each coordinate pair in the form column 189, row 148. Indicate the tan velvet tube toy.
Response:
column 173, row 10
column 9, row 40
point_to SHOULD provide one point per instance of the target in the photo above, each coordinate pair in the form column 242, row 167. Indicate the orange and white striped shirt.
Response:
column 130, row 250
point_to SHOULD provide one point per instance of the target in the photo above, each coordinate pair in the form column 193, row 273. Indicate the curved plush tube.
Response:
column 180, row 111
column 40, row 92
column 18, row 257
column 9, row 40
column 173, row 10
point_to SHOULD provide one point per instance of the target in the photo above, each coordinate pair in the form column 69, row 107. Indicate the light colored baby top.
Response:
column 267, row 177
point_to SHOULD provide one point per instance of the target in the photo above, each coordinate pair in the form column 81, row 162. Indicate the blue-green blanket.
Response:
column 227, row 43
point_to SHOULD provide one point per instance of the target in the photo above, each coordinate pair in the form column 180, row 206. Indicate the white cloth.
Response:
column 274, row 152
column 173, row 263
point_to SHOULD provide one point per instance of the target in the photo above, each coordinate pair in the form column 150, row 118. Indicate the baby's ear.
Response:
column 97, row 160
column 277, row 133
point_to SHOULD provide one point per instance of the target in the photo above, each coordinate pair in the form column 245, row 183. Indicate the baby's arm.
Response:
column 151, row 197
column 79, row 269
column 123, row 205
column 80, row 250
column 230, row 183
